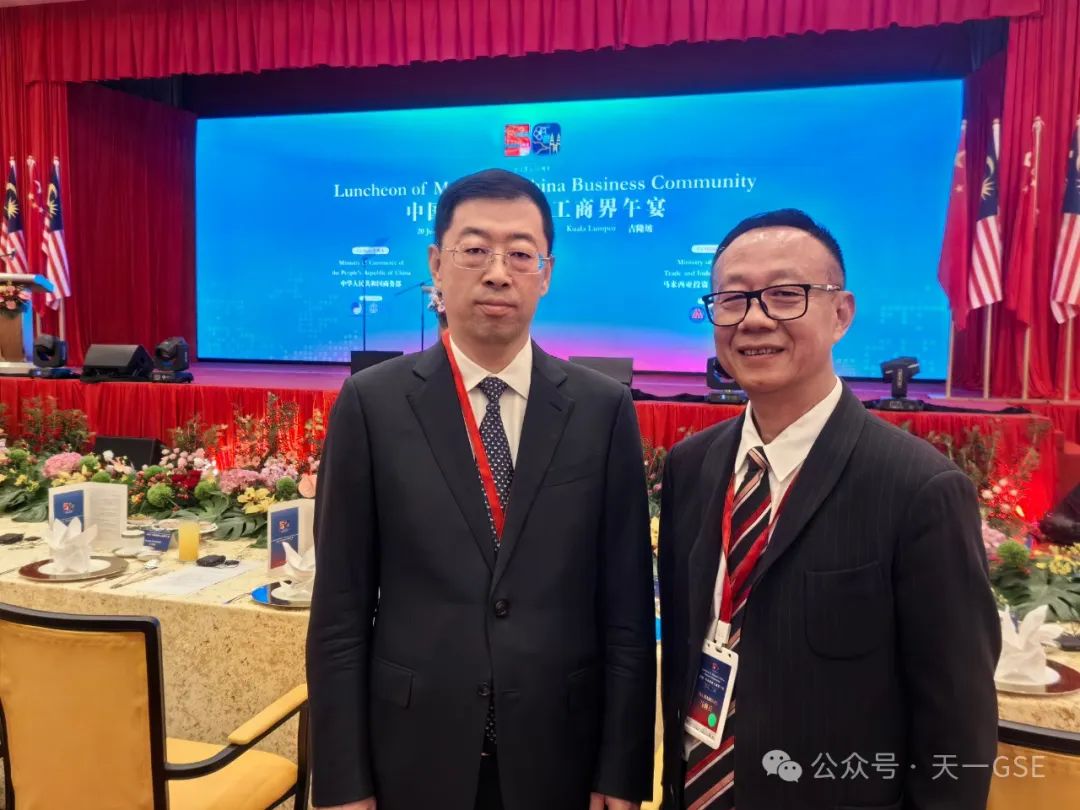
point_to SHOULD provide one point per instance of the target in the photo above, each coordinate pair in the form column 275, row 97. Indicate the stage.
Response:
column 153, row 409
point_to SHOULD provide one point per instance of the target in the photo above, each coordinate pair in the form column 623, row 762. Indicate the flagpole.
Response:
column 986, row 350
column 62, row 319
column 1068, row 357
column 1033, row 190
column 949, row 370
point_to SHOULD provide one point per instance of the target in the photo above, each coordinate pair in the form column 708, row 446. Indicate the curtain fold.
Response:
column 110, row 39
column 132, row 187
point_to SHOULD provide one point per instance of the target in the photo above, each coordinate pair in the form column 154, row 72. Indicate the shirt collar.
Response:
column 517, row 374
column 788, row 450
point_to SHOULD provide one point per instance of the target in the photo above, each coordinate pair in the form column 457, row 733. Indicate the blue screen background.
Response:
column 285, row 254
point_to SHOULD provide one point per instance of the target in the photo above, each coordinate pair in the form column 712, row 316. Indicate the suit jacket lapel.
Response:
column 704, row 557
column 545, row 419
column 437, row 409
column 816, row 479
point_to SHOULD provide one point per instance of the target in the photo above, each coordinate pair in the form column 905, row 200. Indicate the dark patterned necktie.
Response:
column 497, row 447
column 710, row 775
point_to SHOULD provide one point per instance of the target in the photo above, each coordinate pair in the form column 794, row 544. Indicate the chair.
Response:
column 1036, row 769
column 83, row 725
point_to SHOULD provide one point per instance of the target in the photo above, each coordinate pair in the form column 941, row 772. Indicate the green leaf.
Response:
column 33, row 513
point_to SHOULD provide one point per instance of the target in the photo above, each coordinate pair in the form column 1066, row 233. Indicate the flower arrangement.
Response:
column 22, row 489
column 14, row 299
column 1001, row 483
column 1024, row 579
column 48, row 429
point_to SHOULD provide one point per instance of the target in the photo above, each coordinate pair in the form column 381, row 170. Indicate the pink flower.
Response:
column 992, row 538
column 62, row 462
column 10, row 304
column 233, row 480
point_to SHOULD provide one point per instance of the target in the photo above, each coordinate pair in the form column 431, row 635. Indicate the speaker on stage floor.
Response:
column 367, row 359
column 620, row 369
column 138, row 451
column 120, row 362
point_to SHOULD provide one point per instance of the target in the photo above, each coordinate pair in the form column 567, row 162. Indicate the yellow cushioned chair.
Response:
column 83, row 724
column 1037, row 769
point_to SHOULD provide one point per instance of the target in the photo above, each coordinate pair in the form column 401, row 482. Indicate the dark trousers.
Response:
column 488, row 796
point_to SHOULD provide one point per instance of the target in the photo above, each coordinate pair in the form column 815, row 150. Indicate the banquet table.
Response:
column 222, row 662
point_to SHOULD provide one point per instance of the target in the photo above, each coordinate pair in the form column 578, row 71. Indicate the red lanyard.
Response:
column 731, row 582
column 486, row 476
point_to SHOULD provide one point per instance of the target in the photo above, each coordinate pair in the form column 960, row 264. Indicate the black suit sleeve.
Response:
column 624, row 764
column 950, row 638
column 342, row 609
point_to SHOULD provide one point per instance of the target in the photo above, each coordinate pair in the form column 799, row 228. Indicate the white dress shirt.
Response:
column 517, row 375
column 785, row 454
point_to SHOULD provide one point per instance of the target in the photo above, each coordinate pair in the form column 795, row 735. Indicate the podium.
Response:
column 17, row 331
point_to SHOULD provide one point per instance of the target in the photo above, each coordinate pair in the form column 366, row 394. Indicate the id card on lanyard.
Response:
column 487, row 478
column 719, row 665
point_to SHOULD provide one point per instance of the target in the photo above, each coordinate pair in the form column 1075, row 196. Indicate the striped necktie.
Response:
column 710, row 774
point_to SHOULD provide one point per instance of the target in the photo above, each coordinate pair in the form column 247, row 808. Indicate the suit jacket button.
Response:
column 484, row 690
column 502, row 609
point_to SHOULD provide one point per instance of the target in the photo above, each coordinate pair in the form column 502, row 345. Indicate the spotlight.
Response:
column 50, row 357
column 171, row 362
column 725, row 389
column 899, row 372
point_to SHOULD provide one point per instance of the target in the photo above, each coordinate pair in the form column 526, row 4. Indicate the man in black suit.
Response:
column 481, row 631
column 858, row 605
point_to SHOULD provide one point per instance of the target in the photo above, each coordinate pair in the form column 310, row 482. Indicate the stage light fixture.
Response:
column 899, row 372
column 50, row 358
column 725, row 389
column 171, row 362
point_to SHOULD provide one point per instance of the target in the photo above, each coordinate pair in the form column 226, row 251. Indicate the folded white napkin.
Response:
column 299, row 569
column 1023, row 657
column 69, row 547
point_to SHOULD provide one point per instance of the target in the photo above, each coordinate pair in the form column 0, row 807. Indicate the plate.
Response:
column 206, row 527
column 1066, row 681
column 264, row 595
column 129, row 551
column 139, row 521
column 97, row 564
column 111, row 567
column 1049, row 678
column 168, row 524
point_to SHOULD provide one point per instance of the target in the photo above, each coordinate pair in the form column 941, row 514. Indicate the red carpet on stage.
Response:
column 151, row 410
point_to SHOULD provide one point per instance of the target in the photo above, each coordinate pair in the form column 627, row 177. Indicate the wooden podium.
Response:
column 17, row 332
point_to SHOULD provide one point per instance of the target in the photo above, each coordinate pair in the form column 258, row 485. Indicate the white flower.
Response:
column 987, row 495
column 108, row 455
column 997, row 490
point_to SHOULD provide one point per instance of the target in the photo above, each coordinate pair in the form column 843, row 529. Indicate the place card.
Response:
column 289, row 522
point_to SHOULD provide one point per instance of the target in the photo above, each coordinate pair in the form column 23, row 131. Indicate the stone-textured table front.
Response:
column 222, row 662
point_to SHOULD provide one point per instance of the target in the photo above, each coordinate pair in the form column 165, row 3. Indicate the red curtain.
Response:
column 1042, row 78
column 132, row 186
column 108, row 39
column 142, row 409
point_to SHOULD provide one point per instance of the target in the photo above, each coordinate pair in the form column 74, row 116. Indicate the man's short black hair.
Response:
column 491, row 184
column 786, row 218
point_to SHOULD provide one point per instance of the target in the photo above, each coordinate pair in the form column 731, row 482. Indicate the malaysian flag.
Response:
column 1065, row 290
column 52, row 241
column 12, row 238
column 984, row 285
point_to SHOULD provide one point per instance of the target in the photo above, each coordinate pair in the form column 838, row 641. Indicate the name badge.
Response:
column 712, row 694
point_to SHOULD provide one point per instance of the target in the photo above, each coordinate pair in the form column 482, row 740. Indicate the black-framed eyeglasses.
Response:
column 480, row 257
column 781, row 302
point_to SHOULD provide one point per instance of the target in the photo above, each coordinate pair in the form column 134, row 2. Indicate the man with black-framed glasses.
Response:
column 829, row 633
column 482, row 630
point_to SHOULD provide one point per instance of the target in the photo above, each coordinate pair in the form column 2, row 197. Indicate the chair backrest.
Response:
column 1036, row 768
column 81, row 707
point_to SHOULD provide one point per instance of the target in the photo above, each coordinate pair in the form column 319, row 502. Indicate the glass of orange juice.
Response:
column 189, row 540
